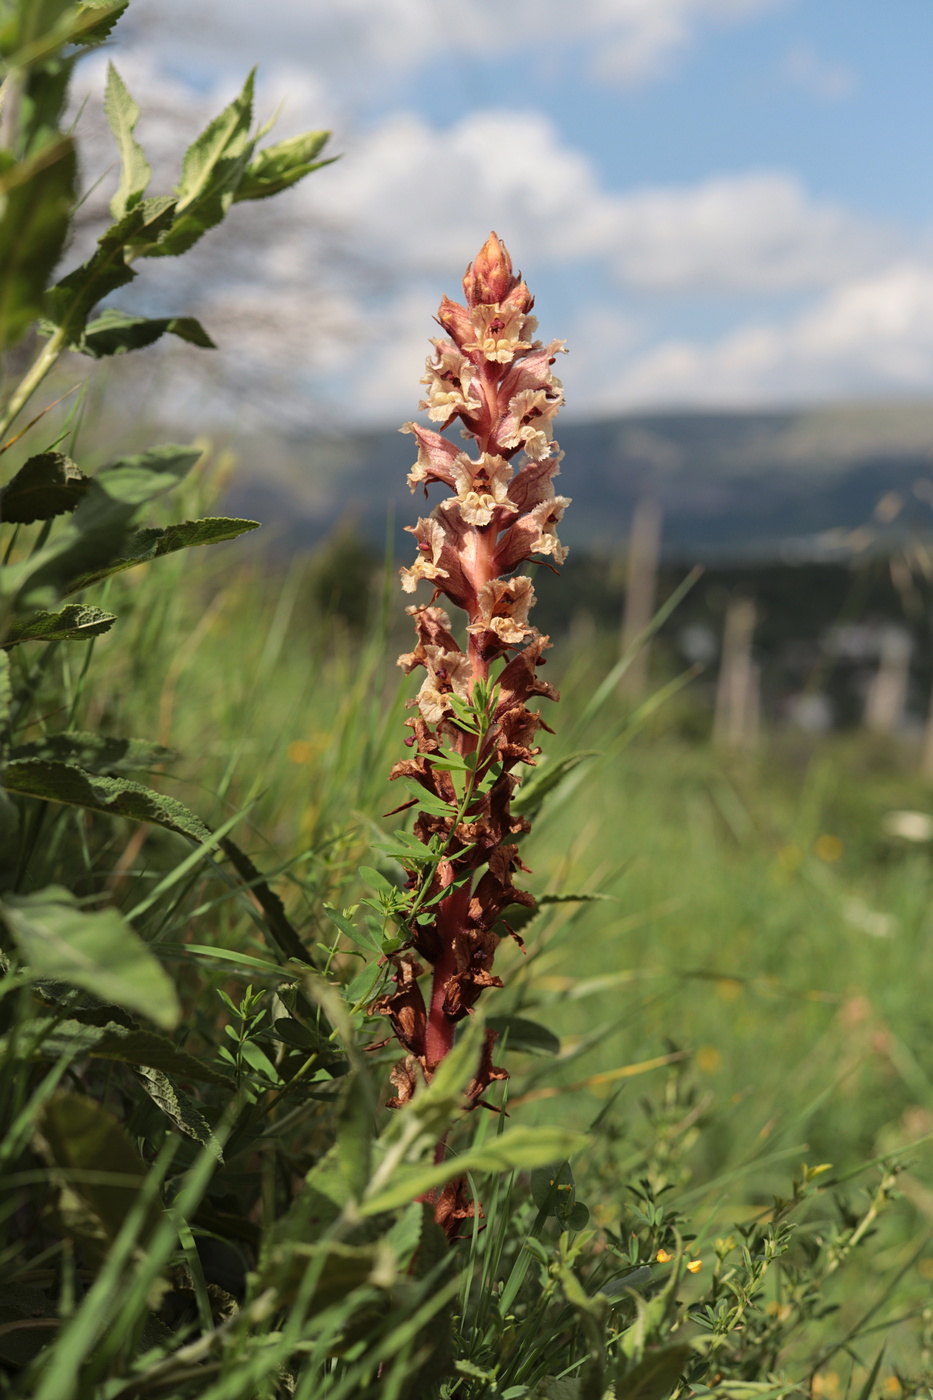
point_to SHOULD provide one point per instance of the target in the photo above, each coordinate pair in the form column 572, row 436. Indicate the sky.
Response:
column 717, row 203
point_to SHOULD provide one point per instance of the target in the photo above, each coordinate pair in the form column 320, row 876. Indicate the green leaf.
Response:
column 93, row 949
column 95, row 30
column 96, row 753
column 131, row 1046
column 179, row 1107
column 115, row 332
column 554, row 1189
column 78, row 1138
column 525, row 1035
column 54, row 781
column 531, row 794
column 212, row 169
column 96, row 532
column 76, row 622
column 47, row 485
column 656, row 1374
column 135, row 172
column 516, row 1149
column 70, row 302
column 153, row 543
column 349, row 930
column 278, row 166
column 36, row 200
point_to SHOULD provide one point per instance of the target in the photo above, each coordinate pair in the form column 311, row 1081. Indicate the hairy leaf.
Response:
column 55, row 781
column 96, row 949
column 76, row 622
column 36, row 200
column 47, row 485
column 95, row 534
column 97, row 753
column 135, row 171
column 279, row 166
column 179, row 1106
column 115, row 332
column 83, row 1143
column 70, row 302
column 212, row 169
column 152, row 543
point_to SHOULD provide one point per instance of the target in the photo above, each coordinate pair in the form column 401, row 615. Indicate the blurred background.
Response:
column 722, row 205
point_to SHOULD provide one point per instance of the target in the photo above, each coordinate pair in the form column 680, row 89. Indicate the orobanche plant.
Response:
column 472, row 726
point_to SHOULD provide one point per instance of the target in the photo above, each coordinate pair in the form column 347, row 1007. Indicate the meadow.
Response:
column 681, row 1149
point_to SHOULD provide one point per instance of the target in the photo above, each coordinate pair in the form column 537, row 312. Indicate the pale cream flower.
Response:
column 504, row 605
column 449, row 375
column 481, row 487
column 447, row 671
column 500, row 333
column 546, row 517
column 431, row 539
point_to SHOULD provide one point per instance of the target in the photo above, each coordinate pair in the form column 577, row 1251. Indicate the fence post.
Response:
column 737, row 715
column 641, row 588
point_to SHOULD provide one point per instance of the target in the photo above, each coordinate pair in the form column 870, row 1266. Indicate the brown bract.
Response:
column 490, row 375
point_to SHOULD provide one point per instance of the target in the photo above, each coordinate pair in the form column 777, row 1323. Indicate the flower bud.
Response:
column 489, row 278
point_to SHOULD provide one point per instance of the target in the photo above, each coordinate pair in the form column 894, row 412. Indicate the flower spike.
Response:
column 471, row 726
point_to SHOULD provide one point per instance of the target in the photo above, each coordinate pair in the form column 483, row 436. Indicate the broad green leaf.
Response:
column 76, row 622
column 152, row 543
column 130, row 1045
column 95, row 949
column 283, row 164
column 47, row 485
column 179, row 1107
column 54, row 781
column 96, row 753
column 36, row 200
column 115, row 332
column 362, row 938
column 135, row 171
column 517, row 1149
column 95, row 534
column 212, row 169
column 96, row 19
column 70, row 302
column 525, row 1035
column 80, row 1140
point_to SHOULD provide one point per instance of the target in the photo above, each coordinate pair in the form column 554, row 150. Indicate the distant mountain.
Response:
column 752, row 485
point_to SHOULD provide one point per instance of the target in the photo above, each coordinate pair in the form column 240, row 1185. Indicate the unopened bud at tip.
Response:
column 489, row 277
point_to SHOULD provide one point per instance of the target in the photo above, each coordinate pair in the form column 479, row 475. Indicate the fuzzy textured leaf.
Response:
column 96, row 532
column 70, row 302
column 116, row 332
column 212, row 169
column 47, row 485
column 135, row 171
column 179, row 1106
column 656, row 1374
column 283, row 164
column 76, row 1136
column 76, row 622
column 55, row 781
column 153, row 543
column 96, row 753
column 95, row 949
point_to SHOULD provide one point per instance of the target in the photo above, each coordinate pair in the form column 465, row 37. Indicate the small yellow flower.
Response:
column 299, row 751
column 663, row 1257
column 694, row 1266
column 828, row 848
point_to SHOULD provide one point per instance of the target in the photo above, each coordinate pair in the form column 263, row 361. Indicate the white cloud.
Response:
column 874, row 334
column 357, row 43
column 819, row 77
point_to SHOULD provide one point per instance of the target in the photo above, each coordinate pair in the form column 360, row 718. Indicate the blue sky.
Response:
column 717, row 202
